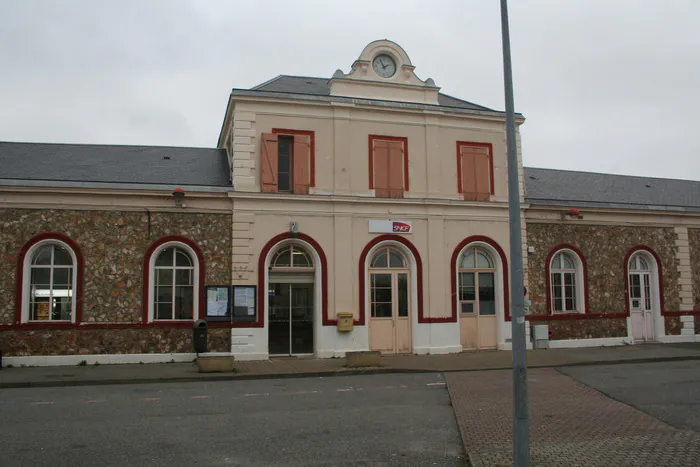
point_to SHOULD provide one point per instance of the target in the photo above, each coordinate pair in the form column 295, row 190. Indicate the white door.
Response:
column 641, row 306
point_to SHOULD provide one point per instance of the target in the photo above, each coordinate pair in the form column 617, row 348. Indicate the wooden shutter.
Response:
column 396, row 169
column 302, row 163
column 381, row 169
column 268, row 163
column 476, row 173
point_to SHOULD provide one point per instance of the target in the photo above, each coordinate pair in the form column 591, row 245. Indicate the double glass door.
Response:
column 390, row 325
column 640, row 306
column 477, row 298
column 290, row 314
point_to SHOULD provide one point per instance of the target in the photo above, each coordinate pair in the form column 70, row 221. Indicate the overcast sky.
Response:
column 605, row 85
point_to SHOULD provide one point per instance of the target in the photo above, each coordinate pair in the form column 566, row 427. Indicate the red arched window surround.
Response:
column 79, row 272
column 147, row 277
column 548, row 280
column 419, row 277
column 659, row 270
column 504, row 265
column 262, row 273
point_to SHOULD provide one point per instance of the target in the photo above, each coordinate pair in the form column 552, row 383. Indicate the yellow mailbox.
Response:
column 345, row 322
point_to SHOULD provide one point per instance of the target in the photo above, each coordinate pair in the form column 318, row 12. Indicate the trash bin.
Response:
column 199, row 337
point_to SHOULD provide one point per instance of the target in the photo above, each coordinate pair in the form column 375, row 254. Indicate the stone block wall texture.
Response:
column 694, row 240
column 604, row 248
column 113, row 244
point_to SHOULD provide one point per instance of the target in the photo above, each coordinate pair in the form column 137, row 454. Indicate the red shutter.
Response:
column 381, row 169
column 468, row 179
column 268, row 163
column 302, row 161
column 482, row 175
column 396, row 169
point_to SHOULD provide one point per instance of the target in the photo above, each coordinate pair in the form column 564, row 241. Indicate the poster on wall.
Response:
column 218, row 303
column 244, row 302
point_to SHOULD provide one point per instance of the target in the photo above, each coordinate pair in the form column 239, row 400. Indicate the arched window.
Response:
column 388, row 257
column 291, row 257
column 566, row 280
column 477, row 287
column 49, row 281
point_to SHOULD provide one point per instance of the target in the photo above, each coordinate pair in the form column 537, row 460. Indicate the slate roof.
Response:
column 587, row 189
column 311, row 86
column 80, row 163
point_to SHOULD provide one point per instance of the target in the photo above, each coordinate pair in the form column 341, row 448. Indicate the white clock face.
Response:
column 384, row 66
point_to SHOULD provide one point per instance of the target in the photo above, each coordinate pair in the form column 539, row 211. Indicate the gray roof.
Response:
column 587, row 189
column 322, row 87
column 80, row 163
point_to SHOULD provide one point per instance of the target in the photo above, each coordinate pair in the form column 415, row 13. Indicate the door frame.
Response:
column 318, row 289
column 394, row 273
column 412, row 270
column 655, row 288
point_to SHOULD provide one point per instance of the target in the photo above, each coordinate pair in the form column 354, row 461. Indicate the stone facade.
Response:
column 694, row 241
column 113, row 244
column 604, row 248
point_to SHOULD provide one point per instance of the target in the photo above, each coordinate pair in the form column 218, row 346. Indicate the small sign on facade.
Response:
column 395, row 227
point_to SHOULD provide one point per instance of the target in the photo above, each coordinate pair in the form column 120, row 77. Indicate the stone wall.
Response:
column 604, row 249
column 113, row 244
column 694, row 240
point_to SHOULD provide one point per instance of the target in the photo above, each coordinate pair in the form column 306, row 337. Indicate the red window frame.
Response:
column 489, row 146
column 402, row 139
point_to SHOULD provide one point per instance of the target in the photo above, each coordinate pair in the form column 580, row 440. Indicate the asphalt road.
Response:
column 379, row 420
column 669, row 391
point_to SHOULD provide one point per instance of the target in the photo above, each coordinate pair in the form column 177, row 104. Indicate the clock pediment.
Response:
column 384, row 71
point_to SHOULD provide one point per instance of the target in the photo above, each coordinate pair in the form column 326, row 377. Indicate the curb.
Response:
column 214, row 377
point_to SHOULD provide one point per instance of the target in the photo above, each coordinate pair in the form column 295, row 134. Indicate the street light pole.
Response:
column 521, row 428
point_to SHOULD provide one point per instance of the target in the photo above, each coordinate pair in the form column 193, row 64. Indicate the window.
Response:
column 287, row 161
column 388, row 284
column 565, row 280
column 477, row 285
column 291, row 256
column 50, row 292
column 475, row 171
column 639, row 277
column 388, row 166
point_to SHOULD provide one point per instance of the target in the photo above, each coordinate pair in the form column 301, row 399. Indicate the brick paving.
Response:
column 570, row 424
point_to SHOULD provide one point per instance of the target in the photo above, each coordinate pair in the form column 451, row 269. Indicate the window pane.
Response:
column 396, row 260
column 301, row 259
column 467, row 293
column 62, row 309
column 165, row 258
column 487, row 308
column 567, row 261
column 283, row 182
column 283, row 163
column 61, row 256
column 487, row 294
column 468, row 259
column 466, row 279
column 381, row 280
column 568, row 278
column 182, row 259
column 556, row 279
column 642, row 262
column 164, row 294
column 635, row 288
column 647, row 292
column 382, row 295
column 40, row 276
column 570, row 304
column 183, row 276
column 283, row 259
column 183, row 302
column 62, row 276
column 381, row 310
column 164, row 276
column 164, row 310
column 403, row 294
column 483, row 261
column 40, row 310
column 557, row 304
column 43, row 255
column 556, row 262
column 380, row 260
column 467, row 308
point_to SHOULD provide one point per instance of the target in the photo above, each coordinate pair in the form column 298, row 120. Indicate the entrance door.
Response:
column 389, row 322
column 640, row 306
column 291, row 326
column 477, row 299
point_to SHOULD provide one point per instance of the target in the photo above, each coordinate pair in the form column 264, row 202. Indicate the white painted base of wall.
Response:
column 112, row 359
column 509, row 345
column 437, row 350
column 578, row 343
column 678, row 339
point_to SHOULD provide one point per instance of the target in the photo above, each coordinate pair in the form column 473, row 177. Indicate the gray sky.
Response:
column 606, row 85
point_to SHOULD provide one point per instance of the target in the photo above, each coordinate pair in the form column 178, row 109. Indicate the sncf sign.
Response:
column 395, row 227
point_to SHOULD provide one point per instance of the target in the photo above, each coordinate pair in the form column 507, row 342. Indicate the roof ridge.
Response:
column 110, row 145
column 613, row 175
column 466, row 101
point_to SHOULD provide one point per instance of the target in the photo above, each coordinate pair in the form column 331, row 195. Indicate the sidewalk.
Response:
column 301, row 367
